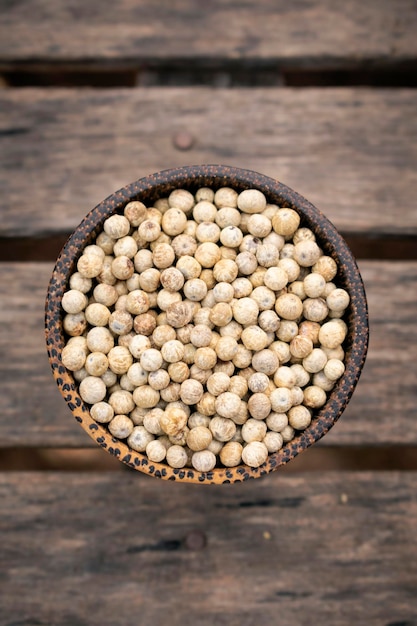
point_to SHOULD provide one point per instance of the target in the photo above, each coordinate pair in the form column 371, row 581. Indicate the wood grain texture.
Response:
column 352, row 152
column 301, row 33
column 382, row 412
column 86, row 549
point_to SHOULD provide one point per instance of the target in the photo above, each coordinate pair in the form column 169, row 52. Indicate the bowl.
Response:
column 147, row 190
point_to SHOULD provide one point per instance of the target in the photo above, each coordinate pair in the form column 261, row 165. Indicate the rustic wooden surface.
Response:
column 97, row 546
column 381, row 411
column 352, row 152
column 301, row 33
column 87, row 548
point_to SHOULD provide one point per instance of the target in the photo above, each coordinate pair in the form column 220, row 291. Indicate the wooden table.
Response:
column 332, row 537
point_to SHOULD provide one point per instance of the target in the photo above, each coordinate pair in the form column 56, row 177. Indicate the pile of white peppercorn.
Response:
column 205, row 330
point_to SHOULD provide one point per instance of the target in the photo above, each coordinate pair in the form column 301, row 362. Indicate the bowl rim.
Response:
column 192, row 177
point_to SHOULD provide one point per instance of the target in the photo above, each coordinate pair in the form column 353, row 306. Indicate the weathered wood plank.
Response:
column 301, row 33
column 352, row 152
column 104, row 549
column 382, row 412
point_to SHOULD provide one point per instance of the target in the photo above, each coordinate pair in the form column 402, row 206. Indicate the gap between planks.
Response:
column 315, row 459
column 384, row 248
column 220, row 74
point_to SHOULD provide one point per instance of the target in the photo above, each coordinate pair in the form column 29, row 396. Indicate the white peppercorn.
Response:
column 314, row 285
column 255, row 453
column 251, row 201
column 146, row 397
column 254, row 338
column 302, row 377
column 97, row 314
column 265, row 361
column 264, row 297
column 189, row 354
column 258, row 382
column 334, row 353
column 285, row 222
column 207, row 231
column 171, row 393
column 96, row 364
column 287, row 433
column 275, row 278
column 267, row 255
column 228, row 216
column 191, row 391
column 172, row 351
column 284, row 377
column 178, row 371
column 122, row 268
column 338, row 300
column 314, row 397
column 281, row 400
column 299, row 417
column 195, row 289
column 156, row 451
column 173, row 420
column 218, row 383
column 309, row 329
column 320, row 380
column 226, row 348
column 231, row 454
column 221, row 314
column 225, row 197
column 151, row 360
column 198, row 438
column 74, row 301
column 80, row 283
column 179, row 314
column 92, row 389
column 301, row 346
column 74, row 356
column 282, row 350
column 162, row 334
column 253, row 430
column 105, row 294
column 121, row 426
column 332, row 334
column 273, row 442
column 144, row 324
column 203, row 461
column 315, row 361
column 325, row 266
column 222, row 428
column 277, row 421
column 238, row 386
column 74, row 324
column 259, row 406
column 245, row 311
column 122, row 402
column 225, row 270
column 289, row 306
column 125, row 246
column 227, row 404
column 228, row 253
column 315, row 309
column 242, row 359
column 334, row 369
column 102, row 412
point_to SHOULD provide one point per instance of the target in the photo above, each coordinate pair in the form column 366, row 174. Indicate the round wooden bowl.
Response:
column 147, row 190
